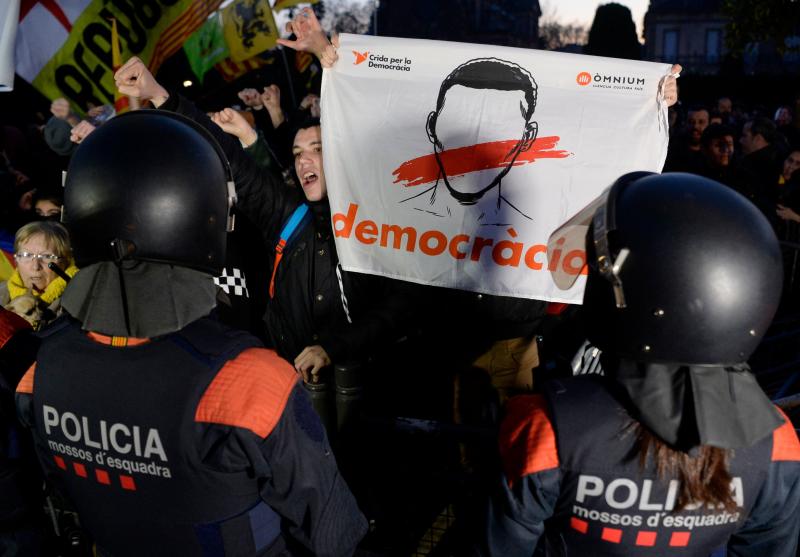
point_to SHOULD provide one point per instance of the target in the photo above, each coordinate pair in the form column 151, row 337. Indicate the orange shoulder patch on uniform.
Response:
column 25, row 385
column 250, row 392
column 527, row 439
column 785, row 445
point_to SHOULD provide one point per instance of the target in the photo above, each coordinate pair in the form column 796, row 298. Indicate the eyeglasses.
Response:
column 27, row 257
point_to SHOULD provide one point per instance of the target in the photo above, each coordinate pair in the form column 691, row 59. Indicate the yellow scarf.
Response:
column 53, row 291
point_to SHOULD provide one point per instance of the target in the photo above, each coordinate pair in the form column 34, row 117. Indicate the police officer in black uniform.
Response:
column 170, row 433
column 676, row 450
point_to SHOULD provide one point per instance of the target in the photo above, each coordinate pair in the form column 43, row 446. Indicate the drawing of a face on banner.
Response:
column 480, row 104
column 450, row 164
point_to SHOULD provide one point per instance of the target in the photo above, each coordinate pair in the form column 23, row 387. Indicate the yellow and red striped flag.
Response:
column 302, row 60
column 59, row 42
column 171, row 41
column 122, row 103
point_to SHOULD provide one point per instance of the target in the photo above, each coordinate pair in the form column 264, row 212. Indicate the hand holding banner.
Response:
column 450, row 164
column 62, row 46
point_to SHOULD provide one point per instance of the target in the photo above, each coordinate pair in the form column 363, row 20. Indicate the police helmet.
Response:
column 682, row 269
column 149, row 185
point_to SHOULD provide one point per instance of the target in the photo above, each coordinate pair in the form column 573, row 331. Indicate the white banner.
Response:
column 9, row 17
column 450, row 164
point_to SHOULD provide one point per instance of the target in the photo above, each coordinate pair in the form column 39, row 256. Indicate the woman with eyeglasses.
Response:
column 34, row 290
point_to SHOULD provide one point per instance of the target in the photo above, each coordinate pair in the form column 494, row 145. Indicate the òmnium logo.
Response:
column 382, row 62
column 616, row 82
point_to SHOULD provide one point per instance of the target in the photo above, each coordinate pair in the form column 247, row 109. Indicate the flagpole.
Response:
column 126, row 102
column 289, row 78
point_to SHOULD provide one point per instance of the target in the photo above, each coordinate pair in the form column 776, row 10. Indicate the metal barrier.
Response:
column 337, row 397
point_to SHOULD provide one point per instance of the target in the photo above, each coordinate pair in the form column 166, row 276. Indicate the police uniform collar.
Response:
column 160, row 298
column 691, row 405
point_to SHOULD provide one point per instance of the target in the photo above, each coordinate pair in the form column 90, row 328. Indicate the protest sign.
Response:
column 64, row 48
column 450, row 164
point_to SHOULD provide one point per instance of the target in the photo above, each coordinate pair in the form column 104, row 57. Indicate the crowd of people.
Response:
column 164, row 328
column 749, row 150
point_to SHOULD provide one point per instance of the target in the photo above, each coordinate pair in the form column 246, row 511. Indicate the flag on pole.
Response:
column 121, row 102
column 249, row 28
column 283, row 4
column 206, row 47
column 62, row 45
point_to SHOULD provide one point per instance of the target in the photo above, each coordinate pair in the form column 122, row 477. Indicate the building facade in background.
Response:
column 498, row 22
column 691, row 32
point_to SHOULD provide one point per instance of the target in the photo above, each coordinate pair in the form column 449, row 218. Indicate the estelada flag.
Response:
column 249, row 28
column 60, row 43
column 283, row 4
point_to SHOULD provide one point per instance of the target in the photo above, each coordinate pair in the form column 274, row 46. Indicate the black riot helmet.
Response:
column 149, row 185
column 681, row 270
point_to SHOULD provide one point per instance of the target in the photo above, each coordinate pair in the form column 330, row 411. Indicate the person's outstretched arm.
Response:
column 262, row 196
column 309, row 37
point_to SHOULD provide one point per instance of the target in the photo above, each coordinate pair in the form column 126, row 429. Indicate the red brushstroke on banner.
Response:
column 473, row 158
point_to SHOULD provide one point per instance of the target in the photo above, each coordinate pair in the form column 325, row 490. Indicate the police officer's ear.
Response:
column 531, row 131
column 430, row 127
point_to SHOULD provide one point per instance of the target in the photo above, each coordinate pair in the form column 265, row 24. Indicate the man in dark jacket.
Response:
column 184, row 437
column 684, row 153
column 316, row 313
column 760, row 166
